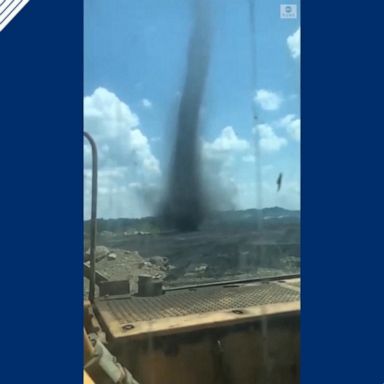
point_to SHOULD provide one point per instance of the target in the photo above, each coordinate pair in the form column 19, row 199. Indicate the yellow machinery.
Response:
column 239, row 332
column 245, row 333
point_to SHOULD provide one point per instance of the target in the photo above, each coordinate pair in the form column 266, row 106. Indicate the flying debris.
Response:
column 279, row 181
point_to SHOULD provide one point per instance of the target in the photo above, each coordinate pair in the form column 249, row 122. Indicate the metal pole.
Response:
column 93, row 217
column 255, row 121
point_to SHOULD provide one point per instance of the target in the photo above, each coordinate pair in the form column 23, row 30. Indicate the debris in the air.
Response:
column 279, row 181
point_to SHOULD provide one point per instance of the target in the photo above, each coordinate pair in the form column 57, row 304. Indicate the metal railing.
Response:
column 91, row 295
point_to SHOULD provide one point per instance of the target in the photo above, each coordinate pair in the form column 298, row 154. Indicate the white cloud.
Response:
column 268, row 139
column 116, row 131
column 227, row 141
column 249, row 158
column 228, row 155
column 292, row 124
column 146, row 103
column 219, row 159
column 293, row 42
column 125, row 157
column 268, row 100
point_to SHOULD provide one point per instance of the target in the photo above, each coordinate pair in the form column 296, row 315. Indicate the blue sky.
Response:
column 134, row 60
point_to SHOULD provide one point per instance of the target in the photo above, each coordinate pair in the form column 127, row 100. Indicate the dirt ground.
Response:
column 198, row 257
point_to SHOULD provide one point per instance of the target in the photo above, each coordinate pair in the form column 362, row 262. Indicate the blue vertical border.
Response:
column 342, row 329
column 41, row 118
